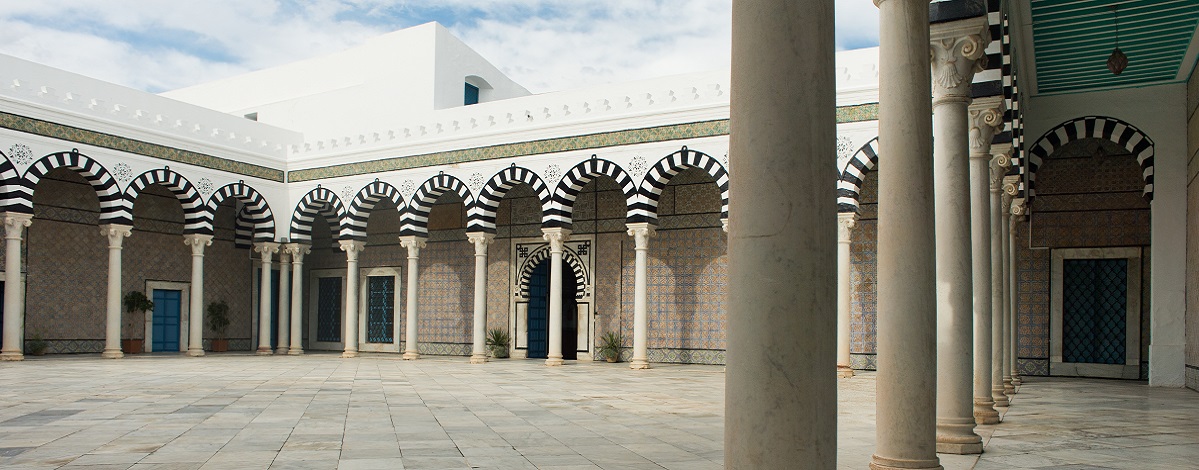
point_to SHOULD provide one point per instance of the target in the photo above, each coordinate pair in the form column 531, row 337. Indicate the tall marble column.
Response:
column 265, row 250
column 14, row 289
column 297, row 252
column 640, row 233
column 907, row 295
column 780, row 399
column 352, row 249
column 414, row 245
column 195, row 324
column 999, row 165
column 116, row 234
column 986, row 114
column 1017, row 214
column 1005, row 207
column 284, row 331
column 845, row 224
column 556, row 237
column 479, row 323
column 957, row 51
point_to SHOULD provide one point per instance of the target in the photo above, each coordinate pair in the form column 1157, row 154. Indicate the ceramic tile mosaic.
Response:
column 610, row 314
column 499, row 291
column 1032, row 298
column 863, row 361
column 1032, row 366
column 447, row 272
column 863, row 274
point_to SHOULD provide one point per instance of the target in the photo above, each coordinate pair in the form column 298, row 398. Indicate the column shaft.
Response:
column 780, row 399
column 195, row 326
column 845, row 224
column 997, row 319
column 352, row 248
column 556, row 237
column 640, row 233
column 1017, row 209
column 1004, row 242
column 479, row 348
column 297, row 252
column 284, row 331
column 984, row 117
column 14, row 292
column 414, row 245
column 112, row 332
column 265, row 250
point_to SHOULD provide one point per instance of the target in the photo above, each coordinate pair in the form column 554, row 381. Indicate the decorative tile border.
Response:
column 687, row 356
column 845, row 114
column 442, row 349
column 863, row 361
column 109, row 141
column 1032, row 366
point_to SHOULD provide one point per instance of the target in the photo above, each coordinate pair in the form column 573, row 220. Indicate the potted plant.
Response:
column 610, row 344
column 136, row 306
column 497, row 342
column 218, row 321
column 36, row 346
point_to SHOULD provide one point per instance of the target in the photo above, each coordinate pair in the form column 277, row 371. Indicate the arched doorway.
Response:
column 538, row 314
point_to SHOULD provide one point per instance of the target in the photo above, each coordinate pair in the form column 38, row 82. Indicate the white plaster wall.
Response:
column 1160, row 112
column 454, row 61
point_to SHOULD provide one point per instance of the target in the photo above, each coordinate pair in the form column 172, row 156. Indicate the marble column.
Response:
column 780, row 399
column 985, row 116
column 479, row 323
column 265, row 250
column 845, row 224
column 297, row 252
column 1017, row 214
column 14, row 288
column 999, row 165
column 640, row 233
column 556, row 236
column 1005, row 207
column 195, row 325
column 352, row 249
column 414, row 245
column 116, row 234
column 907, row 295
column 957, row 53
column 284, row 331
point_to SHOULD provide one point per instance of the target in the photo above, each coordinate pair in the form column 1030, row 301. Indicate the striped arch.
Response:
column 243, row 229
column 318, row 202
column 257, row 211
column 661, row 173
column 96, row 175
column 1096, row 127
column 363, row 203
column 9, row 184
column 415, row 220
column 193, row 205
column 561, row 210
column 481, row 216
column 569, row 257
column 849, row 184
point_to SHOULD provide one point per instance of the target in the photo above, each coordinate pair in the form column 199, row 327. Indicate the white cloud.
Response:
column 543, row 44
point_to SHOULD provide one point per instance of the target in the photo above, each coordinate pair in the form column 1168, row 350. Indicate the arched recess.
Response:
column 96, row 175
column 415, row 220
column 849, row 184
column 243, row 228
column 322, row 202
column 1094, row 127
column 481, row 216
column 660, row 174
column 561, row 209
column 577, row 268
column 255, row 209
column 363, row 203
column 193, row 205
column 9, row 184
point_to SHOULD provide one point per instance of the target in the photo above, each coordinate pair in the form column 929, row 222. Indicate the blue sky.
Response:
column 546, row 45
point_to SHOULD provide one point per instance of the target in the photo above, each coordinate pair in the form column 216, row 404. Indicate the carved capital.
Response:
column 116, row 234
column 352, row 248
column 556, row 236
column 197, row 241
column 954, row 62
column 1019, row 209
column 15, row 223
column 724, row 224
column 846, row 221
column 297, row 252
column 986, row 118
column 413, row 244
column 480, row 240
column 1001, row 161
column 641, row 233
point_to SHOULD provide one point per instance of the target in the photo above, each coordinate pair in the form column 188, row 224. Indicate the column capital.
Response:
column 641, row 231
column 116, row 233
column 556, row 236
column 297, row 251
column 1019, row 209
column 724, row 225
column 1000, row 162
column 846, row 221
column 352, row 248
column 957, row 51
column 197, row 242
column 986, row 117
column 414, row 244
column 480, row 240
column 15, row 222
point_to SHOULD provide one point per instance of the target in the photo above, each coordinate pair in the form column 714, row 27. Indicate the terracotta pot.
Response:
column 610, row 359
column 220, row 345
column 132, row 346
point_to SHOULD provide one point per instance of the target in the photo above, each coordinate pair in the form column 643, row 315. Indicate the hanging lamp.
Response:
column 1117, row 61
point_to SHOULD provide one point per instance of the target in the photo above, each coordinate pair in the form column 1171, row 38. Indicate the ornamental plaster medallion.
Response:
column 637, row 166
column 726, row 161
column 205, row 186
column 844, row 148
column 346, row 192
column 476, row 182
column 552, row 174
column 122, row 172
column 20, row 154
column 407, row 188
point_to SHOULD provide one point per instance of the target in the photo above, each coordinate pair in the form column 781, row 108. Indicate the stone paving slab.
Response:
column 319, row 411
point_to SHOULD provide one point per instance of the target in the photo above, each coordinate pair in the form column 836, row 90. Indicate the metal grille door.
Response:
column 1094, row 310
column 380, row 308
column 538, row 327
column 328, row 310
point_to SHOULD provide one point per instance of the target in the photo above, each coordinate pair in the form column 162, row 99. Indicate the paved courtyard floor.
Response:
column 322, row 412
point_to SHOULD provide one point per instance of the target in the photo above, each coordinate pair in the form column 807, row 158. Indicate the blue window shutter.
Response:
column 472, row 95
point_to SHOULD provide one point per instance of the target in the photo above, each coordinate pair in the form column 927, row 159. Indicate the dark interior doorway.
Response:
column 538, row 314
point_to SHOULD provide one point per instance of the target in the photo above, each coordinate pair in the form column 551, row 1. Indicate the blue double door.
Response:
column 538, row 315
column 166, row 320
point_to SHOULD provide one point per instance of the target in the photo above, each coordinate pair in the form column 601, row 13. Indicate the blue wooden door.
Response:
column 538, row 326
column 165, row 322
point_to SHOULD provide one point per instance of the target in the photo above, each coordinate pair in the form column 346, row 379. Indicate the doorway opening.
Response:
column 166, row 320
column 538, row 316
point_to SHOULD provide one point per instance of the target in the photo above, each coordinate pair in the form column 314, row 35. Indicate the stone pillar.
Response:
column 479, row 349
column 556, row 237
column 1017, row 213
column 1005, row 239
column 413, row 244
column 907, row 300
column 780, row 399
column 999, row 165
column 845, row 224
column 195, row 325
column 265, row 250
column 284, row 331
column 957, row 51
column 297, row 252
column 640, row 232
column 352, row 248
column 14, row 289
column 986, row 114
column 116, row 234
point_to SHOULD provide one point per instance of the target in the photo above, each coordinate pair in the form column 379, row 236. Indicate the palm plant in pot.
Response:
column 218, row 322
column 136, row 306
column 610, row 344
column 497, row 342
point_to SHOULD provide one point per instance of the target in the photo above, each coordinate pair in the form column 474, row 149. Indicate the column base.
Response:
column 295, row 352
column 478, row 359
column 112, row 354
column 264, row 351
column 411, row 355
column 883, row 463
column 959, row 449
column 281, row 351
column 349, row 354
column 12, row 356
column 956, row 436
column 1016, row 382
column 1008, row 388
column 984, row 412
column 638, row 364
column 195, row 352
column 1001, row 400
column 844, row 372
column 554, row 361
